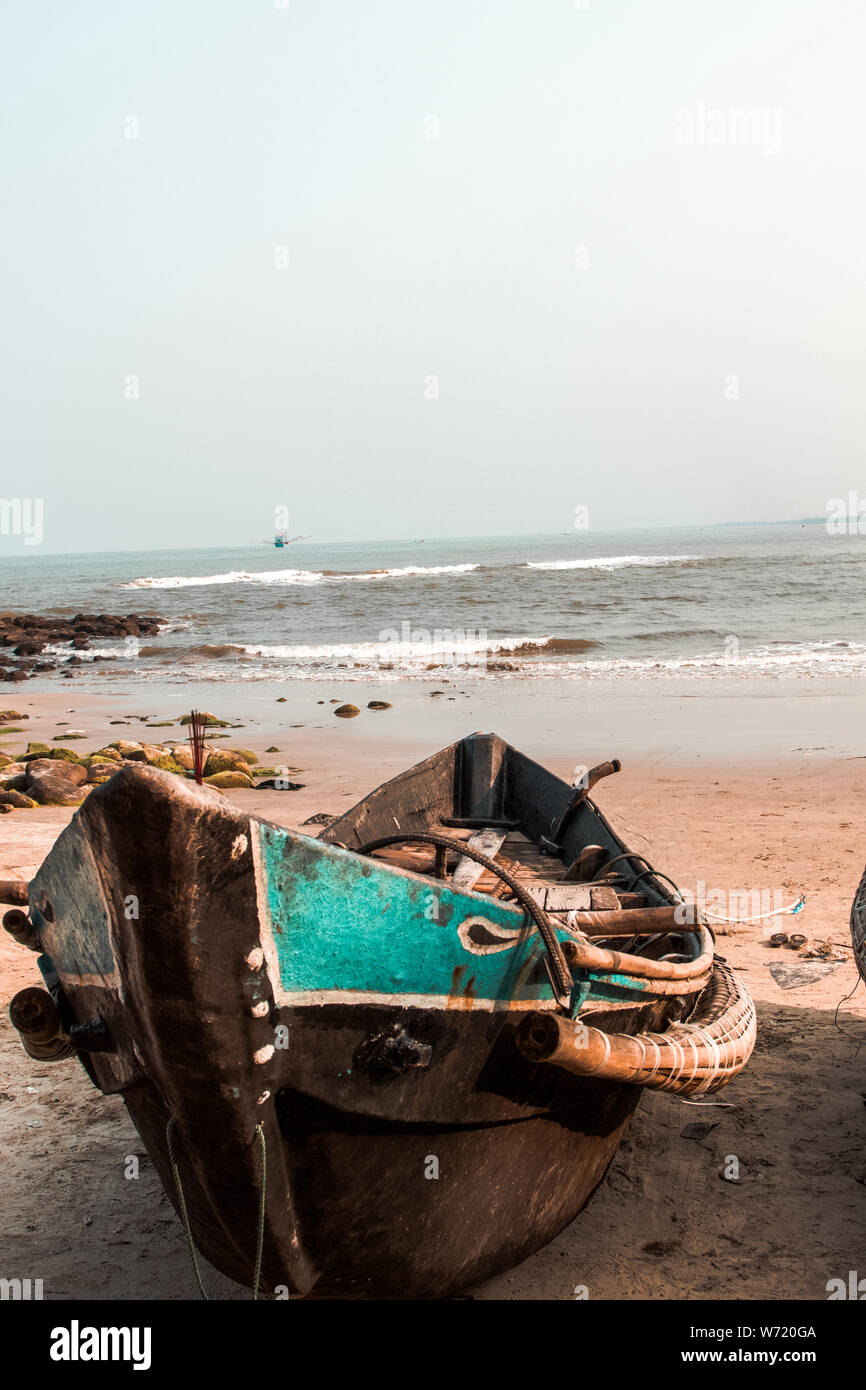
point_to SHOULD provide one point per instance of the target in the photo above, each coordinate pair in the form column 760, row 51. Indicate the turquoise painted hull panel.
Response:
column 347, row 929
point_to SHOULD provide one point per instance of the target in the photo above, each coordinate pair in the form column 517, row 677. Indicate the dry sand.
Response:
column 666, row 1223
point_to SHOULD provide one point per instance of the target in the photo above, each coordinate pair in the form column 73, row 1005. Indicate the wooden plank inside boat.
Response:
column 469, row 871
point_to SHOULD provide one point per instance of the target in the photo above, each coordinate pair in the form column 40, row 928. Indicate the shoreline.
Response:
column 560, row 720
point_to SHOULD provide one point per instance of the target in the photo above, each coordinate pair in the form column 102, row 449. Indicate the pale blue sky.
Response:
column 602, row 383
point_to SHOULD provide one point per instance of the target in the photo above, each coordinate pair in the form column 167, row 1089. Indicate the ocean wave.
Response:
column 288, row 576
column 475, row 657
column 126, row 646
column 413, row 646
column 612, row 562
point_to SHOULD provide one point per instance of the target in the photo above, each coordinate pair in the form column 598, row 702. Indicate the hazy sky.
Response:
column 634, row 294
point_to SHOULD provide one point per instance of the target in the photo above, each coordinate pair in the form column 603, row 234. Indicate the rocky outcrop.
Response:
column 24, row 636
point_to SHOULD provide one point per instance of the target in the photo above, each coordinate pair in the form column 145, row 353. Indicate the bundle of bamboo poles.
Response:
column 698, row 1056
column 639, row 972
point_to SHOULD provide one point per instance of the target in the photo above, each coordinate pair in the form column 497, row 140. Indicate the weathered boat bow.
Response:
column 358, row 1010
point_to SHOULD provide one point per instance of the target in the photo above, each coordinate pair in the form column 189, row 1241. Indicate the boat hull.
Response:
column 858, row 926
column 394, row 1211
column 219, row 978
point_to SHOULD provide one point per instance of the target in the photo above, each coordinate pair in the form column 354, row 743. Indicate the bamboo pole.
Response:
column 588, row 957
column 13, row 890
column 698, row 1056
column 36, row 1017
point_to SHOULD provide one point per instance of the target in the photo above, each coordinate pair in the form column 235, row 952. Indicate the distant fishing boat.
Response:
column 392, row 1061
column 282, row 539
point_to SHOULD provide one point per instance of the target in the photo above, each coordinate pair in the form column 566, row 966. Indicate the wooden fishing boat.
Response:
column 390, row 1061
column 858, row 926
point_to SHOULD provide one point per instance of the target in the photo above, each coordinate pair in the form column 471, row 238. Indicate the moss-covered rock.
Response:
column 18, row 800
column 5, row 760
column 58, row 755
column 154, row 753
column 67, row 738
column 128, row 749
column 182, row 753
column 97, row 773
column 210, row 720
column 10, row 729
column 225, row 760
column 225, row 780
column 249, row 757
column 167, row 764
column 54, row 782
column 104, row 755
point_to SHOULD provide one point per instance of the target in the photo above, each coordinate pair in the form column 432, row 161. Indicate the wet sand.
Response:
column 667, row 1223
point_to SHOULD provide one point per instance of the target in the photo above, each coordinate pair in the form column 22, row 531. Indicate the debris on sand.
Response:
column 799, row 973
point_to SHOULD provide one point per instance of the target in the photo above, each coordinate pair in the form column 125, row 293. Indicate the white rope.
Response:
column 760, row 916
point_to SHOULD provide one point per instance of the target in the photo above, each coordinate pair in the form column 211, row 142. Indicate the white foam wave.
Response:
column 122, row 647
column 409, row 648
column 288, row 576
column 610, row 562
column 508, row 658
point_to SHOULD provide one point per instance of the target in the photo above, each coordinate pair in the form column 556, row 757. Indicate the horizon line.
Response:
column 37, row 552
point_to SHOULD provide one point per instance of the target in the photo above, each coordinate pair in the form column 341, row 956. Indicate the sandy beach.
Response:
column 735, row 792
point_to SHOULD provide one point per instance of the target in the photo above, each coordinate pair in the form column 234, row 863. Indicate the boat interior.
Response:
column 492, row 810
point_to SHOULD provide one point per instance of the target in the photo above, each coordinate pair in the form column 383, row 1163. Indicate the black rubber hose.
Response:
column 561, row 975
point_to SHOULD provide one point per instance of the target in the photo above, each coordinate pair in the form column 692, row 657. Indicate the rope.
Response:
column 708, row 916
column 838, row 1026
column 182, row 1203
column 260, row 1241
column 260, row 1244
column 760, row 916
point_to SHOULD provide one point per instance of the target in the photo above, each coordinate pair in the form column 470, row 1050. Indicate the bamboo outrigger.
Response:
column 403, row 1053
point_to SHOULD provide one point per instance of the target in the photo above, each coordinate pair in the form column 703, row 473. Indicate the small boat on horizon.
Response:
column 391, row 1061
